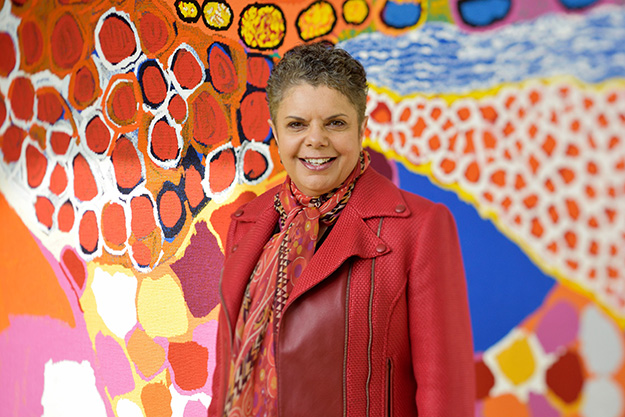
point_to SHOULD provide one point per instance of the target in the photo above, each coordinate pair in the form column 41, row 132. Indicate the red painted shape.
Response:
column 381, row 114
column 177, row 108
column 254, row 164
column 254, row 116
column 31, row 42
column 97, row 134
column 84, row 86
column 484, row 380
column 85, row 188
column 123, row 103
column 222, row 71
column 126, row 164
column 141, row 253
column 65, row 217
column 88, row 232
column 75, row 266
column 142, row 222
column 170, row 208
column 188, row 361
column 164, row 141
column 117, row 39
column 565, row 377
column 209, row 123
column 36, row 164
column 153, row 85
column 22, row 96
column 193, row 186
column 114, row 224
column 3, row 110
column 258, row 71
column 49, row 106
column 222, row 170
column 44, row 210
column 153, row 32
column 58, row 180
column 59, row 142
column 220, row 219
column 7, row 52
column 66, row 42
column 187, row 70
column 12, row 143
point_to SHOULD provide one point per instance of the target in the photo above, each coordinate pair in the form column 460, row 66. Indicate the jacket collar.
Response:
column 374, row 196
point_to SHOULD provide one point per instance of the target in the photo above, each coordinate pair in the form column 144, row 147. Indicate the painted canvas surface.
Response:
column 130, row 131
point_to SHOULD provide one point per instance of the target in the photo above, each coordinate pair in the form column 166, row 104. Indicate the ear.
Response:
column 363, row 127
column 273, row 129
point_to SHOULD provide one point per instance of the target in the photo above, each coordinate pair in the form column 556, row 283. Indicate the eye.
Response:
column 337, row 123
column 294, row 125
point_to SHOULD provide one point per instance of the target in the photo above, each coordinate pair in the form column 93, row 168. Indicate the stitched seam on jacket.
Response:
column 371, row 324
column 223, row 306
column 349, row 279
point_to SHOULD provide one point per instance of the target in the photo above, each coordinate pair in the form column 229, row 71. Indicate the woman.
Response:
column 341, row 294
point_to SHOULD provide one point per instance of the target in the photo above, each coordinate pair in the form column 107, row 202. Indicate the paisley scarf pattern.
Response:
column 252, row 387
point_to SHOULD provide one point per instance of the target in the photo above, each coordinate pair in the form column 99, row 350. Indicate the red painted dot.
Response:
column 193, row 186
column 114, row 224
column 222, row 71
column 58, row 180
column 75, row 267
column 254, row 164
column 188, row 362
column 222, row 170
column 381, row 114
column 3, row 110
column 36, row 164
column 210, row 126
column 565, row 377
column 31, row 42
column 59, row 142
column 117, row 40
column 177, row 108
column 258, row 71
column 153, row 32
column 88, row 232
column 49, row 106
column 164, row 141
column 97, row 134
column 65, row 217
column 84, row 86
column 85, row 187
column 141, row 253
column 66, row 42
column 142, row 222
column 123, row 104
column 22, row 96
column 254, row 116
column 170, row 208
column 186, row 69
column 153, row 85
column 7, row 51
column 126, row 164
column 44, row 210
column 484, row 380
column 12, row 143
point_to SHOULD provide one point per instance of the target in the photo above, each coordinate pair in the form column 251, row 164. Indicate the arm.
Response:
column 440, row 329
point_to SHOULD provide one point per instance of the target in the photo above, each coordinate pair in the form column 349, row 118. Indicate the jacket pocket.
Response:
column 389, row 387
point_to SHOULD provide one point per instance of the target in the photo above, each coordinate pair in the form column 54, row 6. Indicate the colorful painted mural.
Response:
column 130, row 131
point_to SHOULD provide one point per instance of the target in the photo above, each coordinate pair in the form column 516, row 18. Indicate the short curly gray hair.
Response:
column 319, row 64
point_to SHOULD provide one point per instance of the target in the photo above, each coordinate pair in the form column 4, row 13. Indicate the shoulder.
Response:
column 251, row 210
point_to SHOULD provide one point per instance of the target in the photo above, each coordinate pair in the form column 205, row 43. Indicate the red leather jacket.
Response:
column 378, row 324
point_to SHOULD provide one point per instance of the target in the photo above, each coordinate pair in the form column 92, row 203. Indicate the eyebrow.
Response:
column 334, row 116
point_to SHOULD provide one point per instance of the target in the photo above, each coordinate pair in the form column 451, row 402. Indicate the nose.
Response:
column 317, row 136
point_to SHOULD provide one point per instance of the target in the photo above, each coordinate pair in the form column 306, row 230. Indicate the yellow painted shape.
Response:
column 217, row 14
column 161, row 307
column 355, row 11
column 517, row 361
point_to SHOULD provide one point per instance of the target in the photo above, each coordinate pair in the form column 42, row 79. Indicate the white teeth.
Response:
column 317, row 161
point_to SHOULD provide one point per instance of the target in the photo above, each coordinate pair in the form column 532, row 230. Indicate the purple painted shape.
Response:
column 558, row 327
column 384, row 166
column 113, row 367
column 194, row 409
column 198, row 271
column 541, row 407
column 206, row 335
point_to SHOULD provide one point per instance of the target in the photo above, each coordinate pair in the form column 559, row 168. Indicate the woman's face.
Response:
column 319, row 137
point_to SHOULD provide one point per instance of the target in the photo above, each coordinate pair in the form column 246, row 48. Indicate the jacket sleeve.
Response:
column 440, row 328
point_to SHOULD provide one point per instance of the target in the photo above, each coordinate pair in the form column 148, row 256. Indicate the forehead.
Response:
column 306, row 98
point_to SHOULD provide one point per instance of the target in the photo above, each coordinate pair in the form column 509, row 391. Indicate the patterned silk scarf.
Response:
column 252, row 387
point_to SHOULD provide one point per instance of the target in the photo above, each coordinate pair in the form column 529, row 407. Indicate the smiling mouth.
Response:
column 317, row 163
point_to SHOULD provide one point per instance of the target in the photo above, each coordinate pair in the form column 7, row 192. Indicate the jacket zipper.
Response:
column 389, row 387
column 349, row 279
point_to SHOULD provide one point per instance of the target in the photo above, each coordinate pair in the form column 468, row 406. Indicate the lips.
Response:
column 317, row 163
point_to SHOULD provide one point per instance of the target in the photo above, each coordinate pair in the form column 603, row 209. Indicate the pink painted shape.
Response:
column 541, row 407
column 113, row 367
column 206, row 335
column 558, row 327
column 194, row 409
